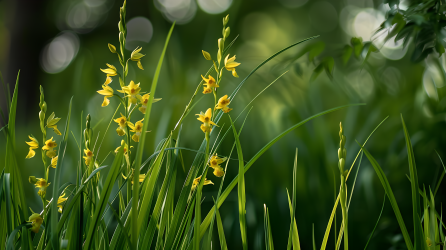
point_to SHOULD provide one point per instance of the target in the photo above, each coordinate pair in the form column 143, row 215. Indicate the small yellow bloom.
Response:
column 197, row 181
column 42, row 185
column 88, row 156
column 122, row 121
column 218, row 171
column 61, row 200
column 206, row 55
column 141, row 177
column 126, row 151
column 112, row 48
column 205, row 118
column 132, row 90
column 107, row 92
column 210, row 84
column 144, row 100
column 54, row 162
column 223, row 103
column 136, row 56
column 215, row 161
column 110, row 71
column 36, row 221
column 108, row 80
column 231, row 64
column 33, row 144
column 51, row 123
column 137, row 129
column 49, row 146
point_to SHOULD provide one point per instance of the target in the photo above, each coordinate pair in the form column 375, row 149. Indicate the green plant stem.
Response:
column 344, row 210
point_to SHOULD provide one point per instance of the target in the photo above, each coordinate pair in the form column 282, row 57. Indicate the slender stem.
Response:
column 344, row 210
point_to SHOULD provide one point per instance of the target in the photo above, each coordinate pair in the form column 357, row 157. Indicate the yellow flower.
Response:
column 137, row 129
column 36, row 221
column 107, row 92
column 108, row 80
column 50, row 145
column 210, row 84
column 110, row 71
column 230, row 65
column 197, row 181
column 141, row 177
column 215, row 161
column 223, row 103
column 33, row 144
column 61, row 200
column 42, row 185
column 126, row 151
column 51, row 123
column 88, row 156
column 218, row 171
column 136, row 56
column 144, row 100
column 122, row 121
column 132, row 90
column 54, row 162
column 206, row 120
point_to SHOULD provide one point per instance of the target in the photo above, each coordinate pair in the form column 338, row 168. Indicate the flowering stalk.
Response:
column 43, row 109
column 342, row 153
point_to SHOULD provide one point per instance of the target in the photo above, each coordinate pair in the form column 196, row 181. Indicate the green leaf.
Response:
column 105, row 194
column 10, row 242
column 356, row 43
column 315, row 50
column 385, row 183
column 379, row 217
column 419, row 239
column 314, row 242
column 221, row 232
column 329, row 67
column 241, row 189
column 293, row 236
column 234, row 182
column 268, row 235
column 136, row 223
column 370, row 48
column 295, row 233
column 62, row 147
column 316, row 72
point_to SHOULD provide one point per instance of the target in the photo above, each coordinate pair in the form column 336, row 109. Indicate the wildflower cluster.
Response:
column 49, row 159
column 211, row 85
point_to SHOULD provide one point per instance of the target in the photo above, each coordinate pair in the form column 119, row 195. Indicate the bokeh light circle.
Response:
column 59, row 53
column 214, row 6
column 139, row 30
column 181, row 11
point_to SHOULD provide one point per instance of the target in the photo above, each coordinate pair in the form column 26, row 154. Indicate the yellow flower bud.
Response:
column 206, row 55
column 32, row 179
column 226, row 20
column 112, row 48
column 227, row 32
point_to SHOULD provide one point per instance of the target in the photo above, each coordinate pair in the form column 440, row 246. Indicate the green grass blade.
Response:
column 433, row 230
column 221, row 233
column 105, row 194
column 333, row 211
column 293, row 235
column 62, row 147
column 127, row 237
column 6, row 186
column 379, row 217
column 442, row 174
column 228, row 189
column 241, row 188
column 419, row 241
column 385, row 183
column 269, row 245
column 136, row 224
column 314, row 241
column 10, row 242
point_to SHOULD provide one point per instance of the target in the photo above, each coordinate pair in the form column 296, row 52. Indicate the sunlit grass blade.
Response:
column 333, row 212
column 442, row 174
column 269, row 245
column 379, row 217
column 136, row 224
column 385, row 183
column 221, row 233
column 241, row 189
column 293, row 236
column 419, row 241
column 105, row 194
column 126, row 236
column 228, row 189
column 54, row 215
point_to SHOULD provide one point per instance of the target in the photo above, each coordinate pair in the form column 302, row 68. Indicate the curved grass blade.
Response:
column 373, row 231
column 136, row 224
column 385, row 183
column 62, row 148
column 293, row 235
column 228, row 189
column 333, row 212
column 241, row 188
column 419, row 239
column 442, row 174
column 221, row 232
column 127, row 238
column 10, row 242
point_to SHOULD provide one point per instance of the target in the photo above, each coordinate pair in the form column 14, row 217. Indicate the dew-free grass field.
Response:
column 342, row 165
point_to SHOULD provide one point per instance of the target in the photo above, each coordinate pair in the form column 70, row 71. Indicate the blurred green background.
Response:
column 62, row 44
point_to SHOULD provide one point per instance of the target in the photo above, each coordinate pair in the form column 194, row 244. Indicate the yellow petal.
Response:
column 135, row 138
column 31, row 154
column 108, row 80
column 105, row 102
column 139, row 65
column 234, row 73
